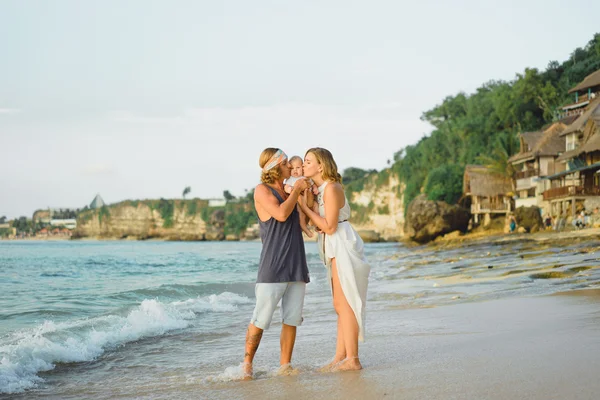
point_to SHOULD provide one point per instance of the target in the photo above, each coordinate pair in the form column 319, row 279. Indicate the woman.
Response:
column 282, row 271
column 342, row 252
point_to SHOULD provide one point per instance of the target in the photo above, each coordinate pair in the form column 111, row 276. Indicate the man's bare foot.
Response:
column 287, row 370
column 247, row 371
column 348, row 364
column 329, row 367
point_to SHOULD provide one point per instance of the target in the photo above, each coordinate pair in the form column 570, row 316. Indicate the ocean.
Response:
column 127, row 319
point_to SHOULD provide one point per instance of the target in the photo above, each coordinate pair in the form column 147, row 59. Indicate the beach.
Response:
column 495, row 319
column 544, row 347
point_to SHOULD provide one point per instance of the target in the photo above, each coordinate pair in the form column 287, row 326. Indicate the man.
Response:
column 282, row 271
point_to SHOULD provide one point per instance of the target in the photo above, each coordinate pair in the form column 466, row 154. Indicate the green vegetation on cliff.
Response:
column 232, row 218
column 482, row 127
column 238, row 216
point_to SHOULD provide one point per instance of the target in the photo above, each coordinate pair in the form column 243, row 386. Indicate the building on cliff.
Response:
column 584, row 93
column 97, row 202
column 217, row 202
column 69, row 223
column 537, row 159
column 489, row 193
column 577, row 186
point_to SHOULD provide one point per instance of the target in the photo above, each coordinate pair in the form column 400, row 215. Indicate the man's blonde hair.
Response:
column 330, row 169
column 272, row 175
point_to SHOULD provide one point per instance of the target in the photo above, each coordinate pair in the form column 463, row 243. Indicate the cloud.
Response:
column 99, row 169
column 364, row 136
column 9, row 110
column 359, row 135
column 127, row 116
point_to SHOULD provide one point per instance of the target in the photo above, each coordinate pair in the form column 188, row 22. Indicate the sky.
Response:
column 137, row 99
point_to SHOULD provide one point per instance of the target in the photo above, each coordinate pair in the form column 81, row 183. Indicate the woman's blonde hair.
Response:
column 272, row 175
column 330, row 169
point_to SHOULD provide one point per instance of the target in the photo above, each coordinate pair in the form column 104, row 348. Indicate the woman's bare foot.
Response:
column 348, row 364
column 329, row 367
column 287, row 370
column 247, row 371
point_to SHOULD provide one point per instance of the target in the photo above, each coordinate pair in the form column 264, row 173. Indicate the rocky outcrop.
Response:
column 379, row 206
column 529, row 218
column 427, row 219
column 369, row 236
column 164, row 219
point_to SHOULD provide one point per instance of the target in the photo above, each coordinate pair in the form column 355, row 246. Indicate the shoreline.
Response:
column 450, row 241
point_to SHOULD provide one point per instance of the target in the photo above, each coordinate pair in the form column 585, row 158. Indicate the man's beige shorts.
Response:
column 268, row 296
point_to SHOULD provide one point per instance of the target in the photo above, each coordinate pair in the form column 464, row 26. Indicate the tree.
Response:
column 497, row 161
column 352, row 174
column 186, row 191
column 21, row 224
column 228, row 196
column 445, row 183
column 3, row 219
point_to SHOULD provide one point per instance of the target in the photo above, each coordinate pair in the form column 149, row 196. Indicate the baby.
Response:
column 296, row 163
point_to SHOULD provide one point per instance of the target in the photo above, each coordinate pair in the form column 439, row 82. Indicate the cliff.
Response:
column 164, row 219
column 377, row 204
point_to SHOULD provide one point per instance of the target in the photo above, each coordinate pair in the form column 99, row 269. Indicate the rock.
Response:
column 217, row 218
column 232, row 237
column 369, row 236
column 428, row 219
column 521, row 229
column 393, row 239
column 528, row 217
column 213, row 235
column 453, row 235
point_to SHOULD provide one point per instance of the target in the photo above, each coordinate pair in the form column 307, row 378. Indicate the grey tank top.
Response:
column 283, row 258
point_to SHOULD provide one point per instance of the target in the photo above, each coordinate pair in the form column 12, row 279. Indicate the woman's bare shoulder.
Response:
column 334, row 187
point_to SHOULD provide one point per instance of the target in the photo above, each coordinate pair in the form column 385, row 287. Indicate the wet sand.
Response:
column 497, row 237
column 545, row 347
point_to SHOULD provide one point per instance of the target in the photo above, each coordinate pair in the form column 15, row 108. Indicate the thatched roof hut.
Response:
column 479, row 180
column 590, row 141
column 590, row 81
column 593, row 110
column 541, row 143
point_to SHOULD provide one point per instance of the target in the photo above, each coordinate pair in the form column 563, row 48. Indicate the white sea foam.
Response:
column 216, row 303
column 26, row 353
column 236, row 373
column 232, row 373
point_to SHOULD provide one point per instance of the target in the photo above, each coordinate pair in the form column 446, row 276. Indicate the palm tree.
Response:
column 497, row 161
column 187, row 190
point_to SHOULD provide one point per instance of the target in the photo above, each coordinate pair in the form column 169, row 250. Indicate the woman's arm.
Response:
column 333, row 199
column 265, row 202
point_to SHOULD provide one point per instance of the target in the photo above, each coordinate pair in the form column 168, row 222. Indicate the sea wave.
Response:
column 24, row 354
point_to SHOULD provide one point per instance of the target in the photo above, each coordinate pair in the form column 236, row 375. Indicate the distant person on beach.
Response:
column 297, row 173
column 548, row 222
column 342, row 251
column 580, row 221
column 282, row 270
column 512, row 223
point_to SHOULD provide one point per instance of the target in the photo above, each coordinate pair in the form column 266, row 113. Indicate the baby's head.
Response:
column 296, row 163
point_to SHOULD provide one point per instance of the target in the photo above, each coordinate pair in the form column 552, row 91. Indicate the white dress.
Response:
column 346, row 246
